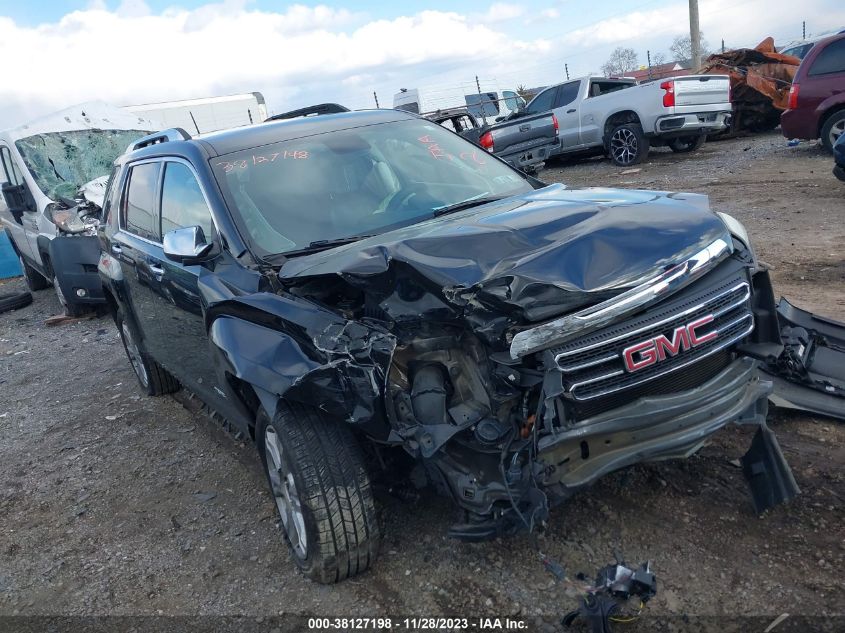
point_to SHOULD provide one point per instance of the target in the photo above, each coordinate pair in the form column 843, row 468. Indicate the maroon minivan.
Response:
column 817, row 97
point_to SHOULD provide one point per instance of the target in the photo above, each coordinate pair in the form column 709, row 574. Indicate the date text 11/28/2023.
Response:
column 416, row 624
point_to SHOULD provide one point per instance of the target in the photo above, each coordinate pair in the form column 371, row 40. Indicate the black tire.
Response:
column 34, row 279
column 15, row 301
column 627, row 144
column 153, row 378
column 833, row 127
column 684, row 144
column 322, row 466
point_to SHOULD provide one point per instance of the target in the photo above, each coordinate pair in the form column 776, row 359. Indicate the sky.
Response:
column 62, row 52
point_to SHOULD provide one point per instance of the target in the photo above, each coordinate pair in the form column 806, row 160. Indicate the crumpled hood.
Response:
column 543, row 252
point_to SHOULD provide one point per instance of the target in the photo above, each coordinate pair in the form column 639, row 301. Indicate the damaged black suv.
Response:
column 351, row 287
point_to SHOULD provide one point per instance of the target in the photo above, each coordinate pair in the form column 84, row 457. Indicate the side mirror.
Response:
column 186, row 245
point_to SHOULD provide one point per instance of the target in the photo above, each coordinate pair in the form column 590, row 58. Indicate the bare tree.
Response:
column 658, row 58
column 681, row 49
column 621, row 60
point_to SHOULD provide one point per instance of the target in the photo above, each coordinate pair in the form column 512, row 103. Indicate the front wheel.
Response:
column 34, row 279
column 71, row 309
column 684, row 144
column 322, row 492
column 628, row 144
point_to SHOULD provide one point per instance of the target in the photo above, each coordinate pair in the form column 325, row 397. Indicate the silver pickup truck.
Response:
column 623, row 118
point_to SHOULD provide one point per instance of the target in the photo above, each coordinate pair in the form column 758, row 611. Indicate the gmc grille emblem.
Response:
column 657, row 349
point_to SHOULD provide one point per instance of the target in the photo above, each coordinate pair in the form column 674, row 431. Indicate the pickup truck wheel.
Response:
column 322, row 491
column 628, row 144
column 832, row 129
column 154, row 379
column 34, row 279
column 684, row 144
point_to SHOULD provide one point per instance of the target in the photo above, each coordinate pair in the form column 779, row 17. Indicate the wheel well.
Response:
column 834, row 110
column 626, row 116
column 111, row 302
column 248, row 398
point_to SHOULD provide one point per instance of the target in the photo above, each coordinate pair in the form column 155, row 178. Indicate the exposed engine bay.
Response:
column 510, row 408
column 82, row 214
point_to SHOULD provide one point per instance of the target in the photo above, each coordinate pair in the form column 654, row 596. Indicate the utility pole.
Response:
column 648, row 58
column 804, row 30
column 375, row 96
column 566, row 66
column 694, row 35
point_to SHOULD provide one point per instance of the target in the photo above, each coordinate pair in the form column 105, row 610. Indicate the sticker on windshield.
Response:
column 433, row 148
column 258, row 159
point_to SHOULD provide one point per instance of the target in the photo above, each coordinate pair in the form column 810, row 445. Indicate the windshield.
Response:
column 359, row 181
column 61, row 162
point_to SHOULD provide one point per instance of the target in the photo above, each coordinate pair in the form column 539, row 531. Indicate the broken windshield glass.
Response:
column 61, row 162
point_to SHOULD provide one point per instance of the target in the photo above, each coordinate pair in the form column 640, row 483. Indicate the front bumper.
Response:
column 74, row 259
column 693, row 123
column 531, row 159
column 652, row 428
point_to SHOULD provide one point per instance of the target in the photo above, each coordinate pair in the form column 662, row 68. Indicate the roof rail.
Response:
column 172, row 134
column 322, row 108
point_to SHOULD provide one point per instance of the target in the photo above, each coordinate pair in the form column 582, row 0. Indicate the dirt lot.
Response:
column 114, row 503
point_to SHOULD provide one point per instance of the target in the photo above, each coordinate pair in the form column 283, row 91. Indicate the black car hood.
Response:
column 541, row 253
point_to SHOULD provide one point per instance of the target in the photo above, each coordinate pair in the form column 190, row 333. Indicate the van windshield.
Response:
column 360, row 181
column 61, row 162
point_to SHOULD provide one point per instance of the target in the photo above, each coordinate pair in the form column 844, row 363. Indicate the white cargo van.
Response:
column 210, row 114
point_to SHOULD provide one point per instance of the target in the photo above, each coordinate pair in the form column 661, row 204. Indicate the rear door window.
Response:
column 139, row 212
column 831, row 59
column 542, row 102
column 566, row 94
column 182, row 201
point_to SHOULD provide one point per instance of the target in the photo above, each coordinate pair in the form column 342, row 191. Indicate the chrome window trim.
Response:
column 688, row 312
column 594, row 317
column 159, row 191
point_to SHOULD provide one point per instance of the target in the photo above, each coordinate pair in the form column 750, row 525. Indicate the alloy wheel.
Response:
column 836, row 131
column 624, row 146
column 284, row 492
column 134, row 354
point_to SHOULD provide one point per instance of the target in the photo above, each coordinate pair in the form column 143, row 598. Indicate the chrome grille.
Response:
column 594, row 366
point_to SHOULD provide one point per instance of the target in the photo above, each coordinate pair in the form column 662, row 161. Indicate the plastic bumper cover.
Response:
column 653, row 428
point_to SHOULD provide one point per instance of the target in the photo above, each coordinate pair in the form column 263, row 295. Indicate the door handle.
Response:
column 524, row 127
column 115, row 248
column 158, row 271
column 570, row 111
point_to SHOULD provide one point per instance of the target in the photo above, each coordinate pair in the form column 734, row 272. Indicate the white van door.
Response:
column 21, row 212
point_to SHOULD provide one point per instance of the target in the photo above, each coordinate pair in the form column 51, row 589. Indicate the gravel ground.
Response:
column 118, row 504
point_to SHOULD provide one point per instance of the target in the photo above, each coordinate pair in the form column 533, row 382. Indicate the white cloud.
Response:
column 304, row 54
column 542, row 16
column 132, row 56
column 501, row 12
